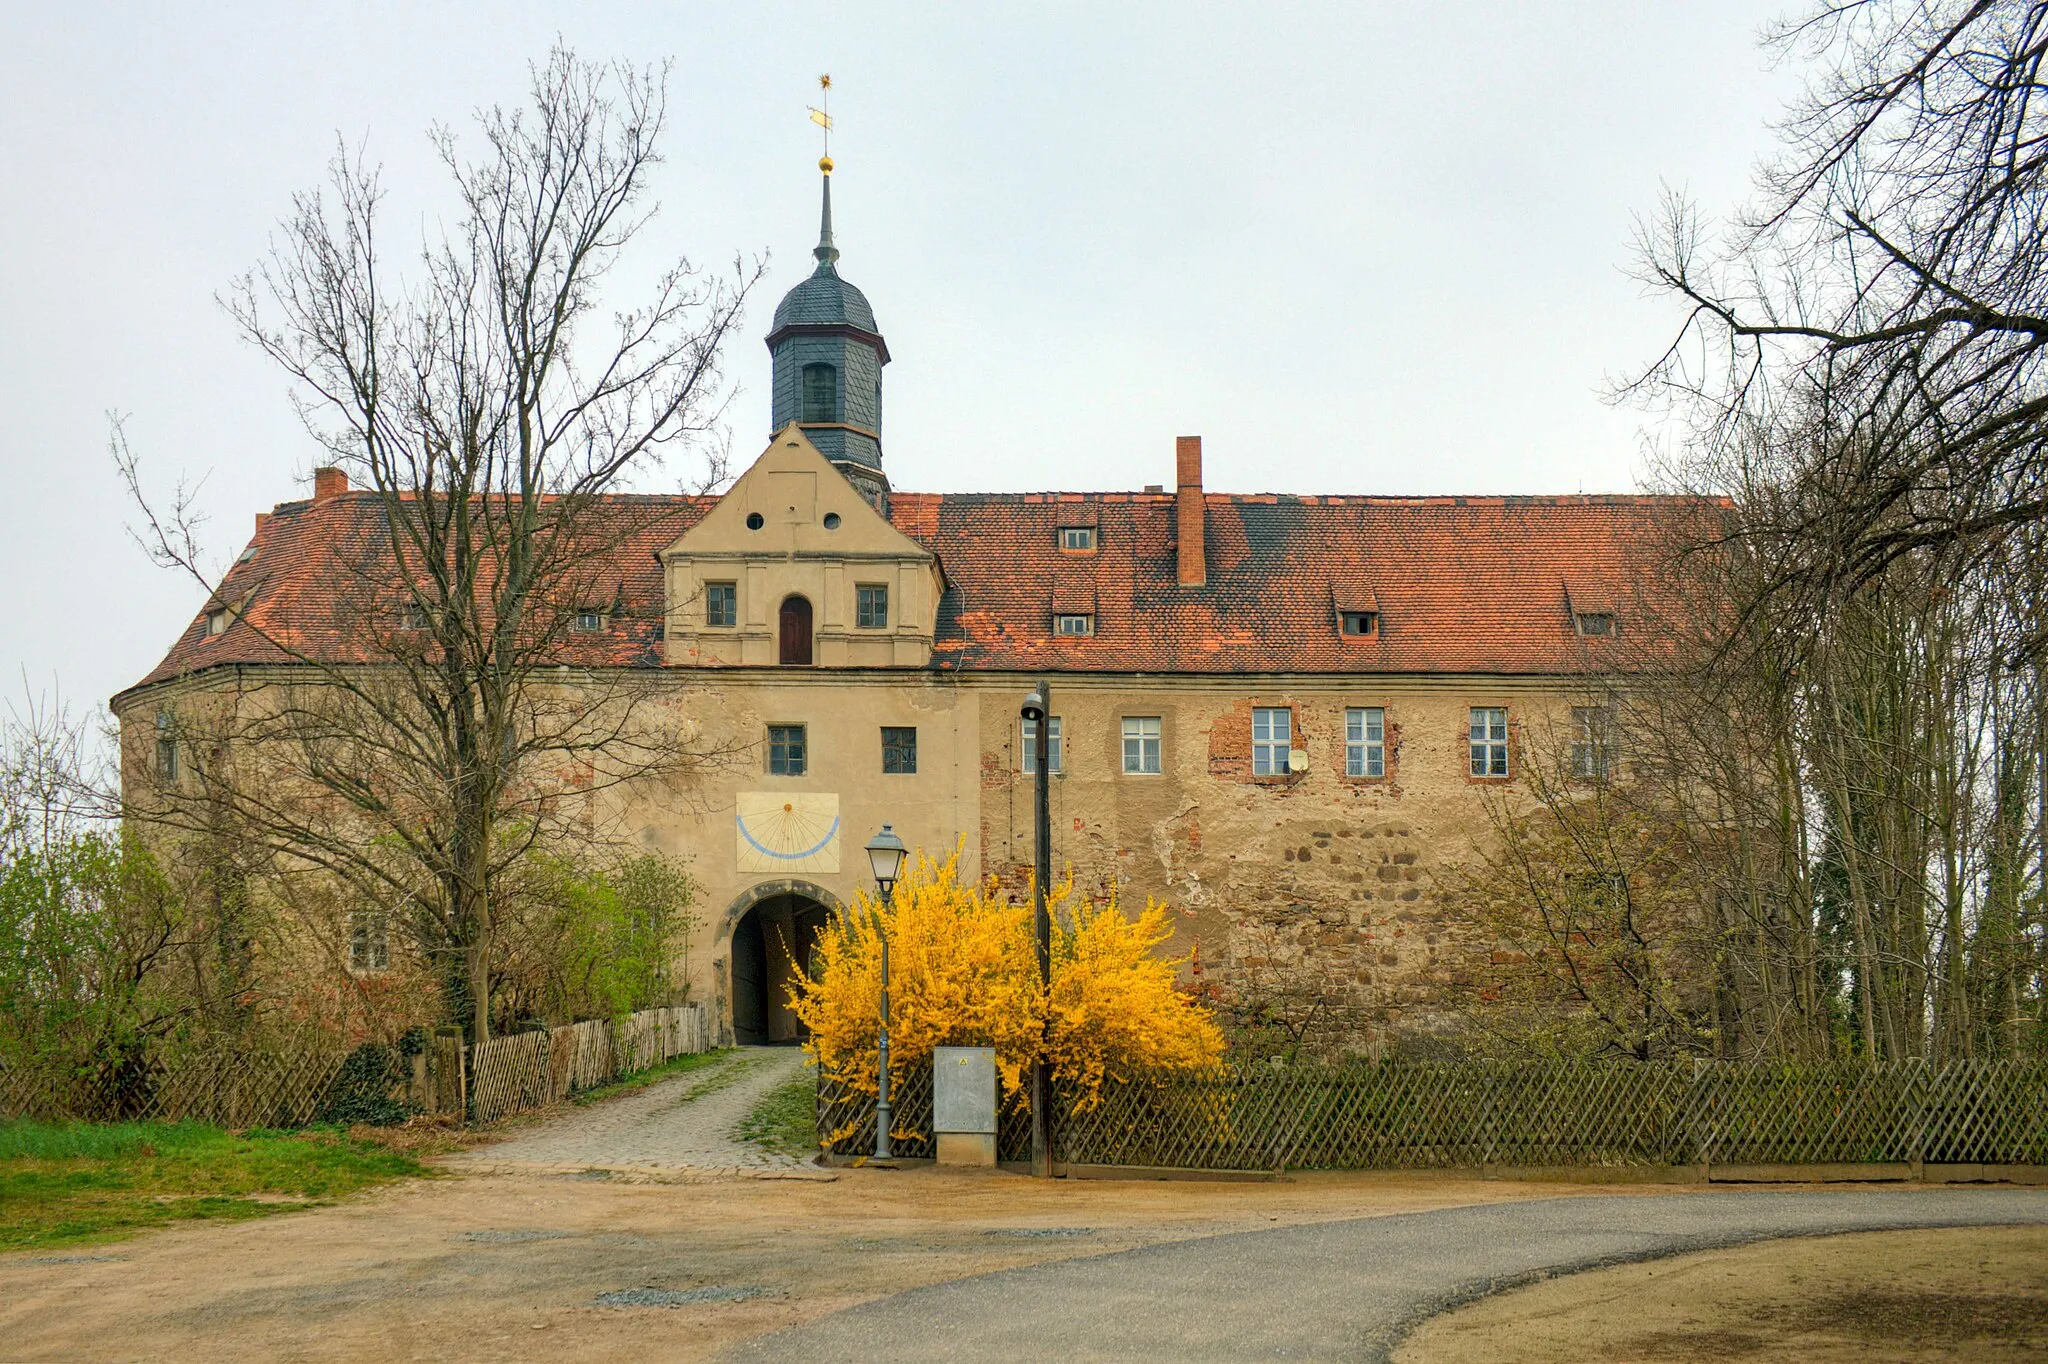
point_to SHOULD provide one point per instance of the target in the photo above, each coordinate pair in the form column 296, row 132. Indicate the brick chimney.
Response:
column 1187, row 496
column 328, row 482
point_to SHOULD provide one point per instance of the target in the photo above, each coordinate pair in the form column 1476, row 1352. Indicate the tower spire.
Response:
column 825, row 251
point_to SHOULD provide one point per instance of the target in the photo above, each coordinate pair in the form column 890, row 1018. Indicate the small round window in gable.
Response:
column 754, row 521
column 831, row 520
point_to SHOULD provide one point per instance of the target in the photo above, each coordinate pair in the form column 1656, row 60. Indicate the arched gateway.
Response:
column 770, row 932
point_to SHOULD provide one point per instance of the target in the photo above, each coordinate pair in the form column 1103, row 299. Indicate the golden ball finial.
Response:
column 825, row 164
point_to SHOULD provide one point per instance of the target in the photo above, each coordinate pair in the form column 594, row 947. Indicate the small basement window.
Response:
column 1360, row 622
column 1596, row 622
column 1079, row 538
column 1073, row 625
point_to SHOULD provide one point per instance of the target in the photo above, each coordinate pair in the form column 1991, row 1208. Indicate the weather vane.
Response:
column 823, row 118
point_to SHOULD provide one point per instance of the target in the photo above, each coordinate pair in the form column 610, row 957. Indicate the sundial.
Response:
column 787, row 831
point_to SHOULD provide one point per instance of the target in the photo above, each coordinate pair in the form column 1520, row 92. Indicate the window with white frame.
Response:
column 1358, row 623
column 1052, row 745
column 1073, row 624
column 1272, row 736
column 1365, row 741
column 589, row 620
column 1141, row 744
column 1593, row 743
column 369, row 941
column 1489, row 741
column 1081, row 538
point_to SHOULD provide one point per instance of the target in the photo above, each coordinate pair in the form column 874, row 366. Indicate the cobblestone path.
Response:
column 682, row 1124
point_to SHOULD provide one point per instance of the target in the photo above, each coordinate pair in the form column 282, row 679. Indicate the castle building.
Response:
column 1284, row 715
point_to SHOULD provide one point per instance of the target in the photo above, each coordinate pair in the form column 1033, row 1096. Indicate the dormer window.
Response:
column 589, row 621
column 1078, row 539
column 1356, row 623
column 412, row 616
column 821, row 393
column 1073, row 625
column 217, row 620
column 1598, row 623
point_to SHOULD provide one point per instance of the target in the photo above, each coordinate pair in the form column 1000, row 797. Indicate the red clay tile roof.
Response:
column 1461, row 584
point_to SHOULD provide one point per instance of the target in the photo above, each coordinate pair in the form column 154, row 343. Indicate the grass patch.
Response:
column 786, row 1118
column 640, row 1079
column 67, row 1183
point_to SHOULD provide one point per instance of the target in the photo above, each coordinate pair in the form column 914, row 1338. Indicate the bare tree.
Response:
column 1887, row 297
column 422, row 732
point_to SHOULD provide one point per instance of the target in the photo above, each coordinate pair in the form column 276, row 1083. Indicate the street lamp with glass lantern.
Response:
column 885, row 859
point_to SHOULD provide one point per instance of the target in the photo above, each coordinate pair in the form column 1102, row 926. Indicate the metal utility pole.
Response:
column 1040, row 701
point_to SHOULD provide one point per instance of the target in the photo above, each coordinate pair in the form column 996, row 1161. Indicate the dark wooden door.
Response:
column 796, row 631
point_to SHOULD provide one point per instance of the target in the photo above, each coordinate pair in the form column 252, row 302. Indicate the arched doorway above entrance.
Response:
column 772, row 942
column 794, row 626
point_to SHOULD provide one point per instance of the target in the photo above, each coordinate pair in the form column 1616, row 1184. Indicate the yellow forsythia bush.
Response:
column 963, row 972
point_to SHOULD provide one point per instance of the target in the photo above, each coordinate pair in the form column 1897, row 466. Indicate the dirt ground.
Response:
column 587, row 1266
column 1976, row 1293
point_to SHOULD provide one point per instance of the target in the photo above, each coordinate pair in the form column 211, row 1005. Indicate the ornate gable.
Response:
column 792, row 530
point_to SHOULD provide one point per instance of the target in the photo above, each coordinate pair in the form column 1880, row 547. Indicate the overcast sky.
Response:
column 1360, row 247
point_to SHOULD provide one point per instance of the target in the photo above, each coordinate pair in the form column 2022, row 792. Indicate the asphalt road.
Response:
column 1340, row 1290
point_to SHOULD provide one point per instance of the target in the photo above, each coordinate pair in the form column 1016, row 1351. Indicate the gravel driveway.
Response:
column 1339, row 1290
column 684, row 1124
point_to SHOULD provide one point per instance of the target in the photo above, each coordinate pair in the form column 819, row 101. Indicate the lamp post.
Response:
column 1037, row 708
column 885, row 859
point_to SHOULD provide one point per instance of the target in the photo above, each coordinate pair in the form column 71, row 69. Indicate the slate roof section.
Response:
column 1462, row 584
column 824, row 297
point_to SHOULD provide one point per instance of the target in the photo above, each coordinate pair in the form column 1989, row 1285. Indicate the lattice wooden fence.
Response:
column 227, row 1087
column 238, row 1087
column 1528, row 1114
column 846, row 1119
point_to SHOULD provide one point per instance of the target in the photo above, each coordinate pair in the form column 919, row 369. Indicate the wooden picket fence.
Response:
column 1901, row 1117
column 534, row 1069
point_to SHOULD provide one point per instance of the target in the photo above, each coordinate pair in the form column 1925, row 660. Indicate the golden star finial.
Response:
column 823, row 118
